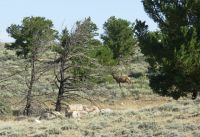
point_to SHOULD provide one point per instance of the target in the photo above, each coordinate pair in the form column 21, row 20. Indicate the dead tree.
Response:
column 36, row 69
column 73, row 47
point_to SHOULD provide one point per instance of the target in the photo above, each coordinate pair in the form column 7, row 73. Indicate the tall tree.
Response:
column 32, row 39
column 105, row 55
column 118, row 36
column 72, row 58
column 173, row 52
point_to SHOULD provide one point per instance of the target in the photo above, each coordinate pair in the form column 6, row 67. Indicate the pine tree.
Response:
column 173, row 51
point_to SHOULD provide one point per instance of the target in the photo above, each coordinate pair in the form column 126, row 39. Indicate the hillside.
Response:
column 137, row 111
column 14, row 85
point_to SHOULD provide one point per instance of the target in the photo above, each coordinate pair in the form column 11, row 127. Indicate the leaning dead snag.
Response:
column 75, row 66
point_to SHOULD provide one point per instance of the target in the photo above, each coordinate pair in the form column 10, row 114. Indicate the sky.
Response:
column 67, row 12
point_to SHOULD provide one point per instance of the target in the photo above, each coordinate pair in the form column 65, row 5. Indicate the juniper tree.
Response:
column 118, row 36
column 173, row 51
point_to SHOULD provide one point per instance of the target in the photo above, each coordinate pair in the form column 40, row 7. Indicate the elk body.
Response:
column 121, row 79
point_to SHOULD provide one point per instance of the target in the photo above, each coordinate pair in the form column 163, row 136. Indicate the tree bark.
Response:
column 59, row 98
column 28, row 107
column 61, row 87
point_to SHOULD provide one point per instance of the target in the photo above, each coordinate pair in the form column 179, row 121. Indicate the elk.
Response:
column 120, row 79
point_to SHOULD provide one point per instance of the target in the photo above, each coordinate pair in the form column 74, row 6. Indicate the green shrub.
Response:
column 40, row 135
column 69, row 127
column 54, row 131
column 105, row 56
column 4, row 109
column 169, row 107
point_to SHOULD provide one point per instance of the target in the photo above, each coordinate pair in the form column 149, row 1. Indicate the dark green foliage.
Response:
column 25, row 35
column 173, row 52
column 118, row 37
column 150, row 42
column 105, row 56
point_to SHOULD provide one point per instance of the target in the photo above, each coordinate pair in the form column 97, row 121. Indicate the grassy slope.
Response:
column 138, row 113
column 12, row 90
column 158, row 117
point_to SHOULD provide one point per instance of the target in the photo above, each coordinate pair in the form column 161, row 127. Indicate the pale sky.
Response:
column 67, row 12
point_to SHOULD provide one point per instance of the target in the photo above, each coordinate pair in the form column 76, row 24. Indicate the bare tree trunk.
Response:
column 28, row 107
column 61, row 87
column 59, row 98
column 194, row 95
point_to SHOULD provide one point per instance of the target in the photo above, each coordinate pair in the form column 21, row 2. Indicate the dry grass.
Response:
column 146, row 117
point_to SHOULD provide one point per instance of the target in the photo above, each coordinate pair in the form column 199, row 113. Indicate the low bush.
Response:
column 4, row 109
